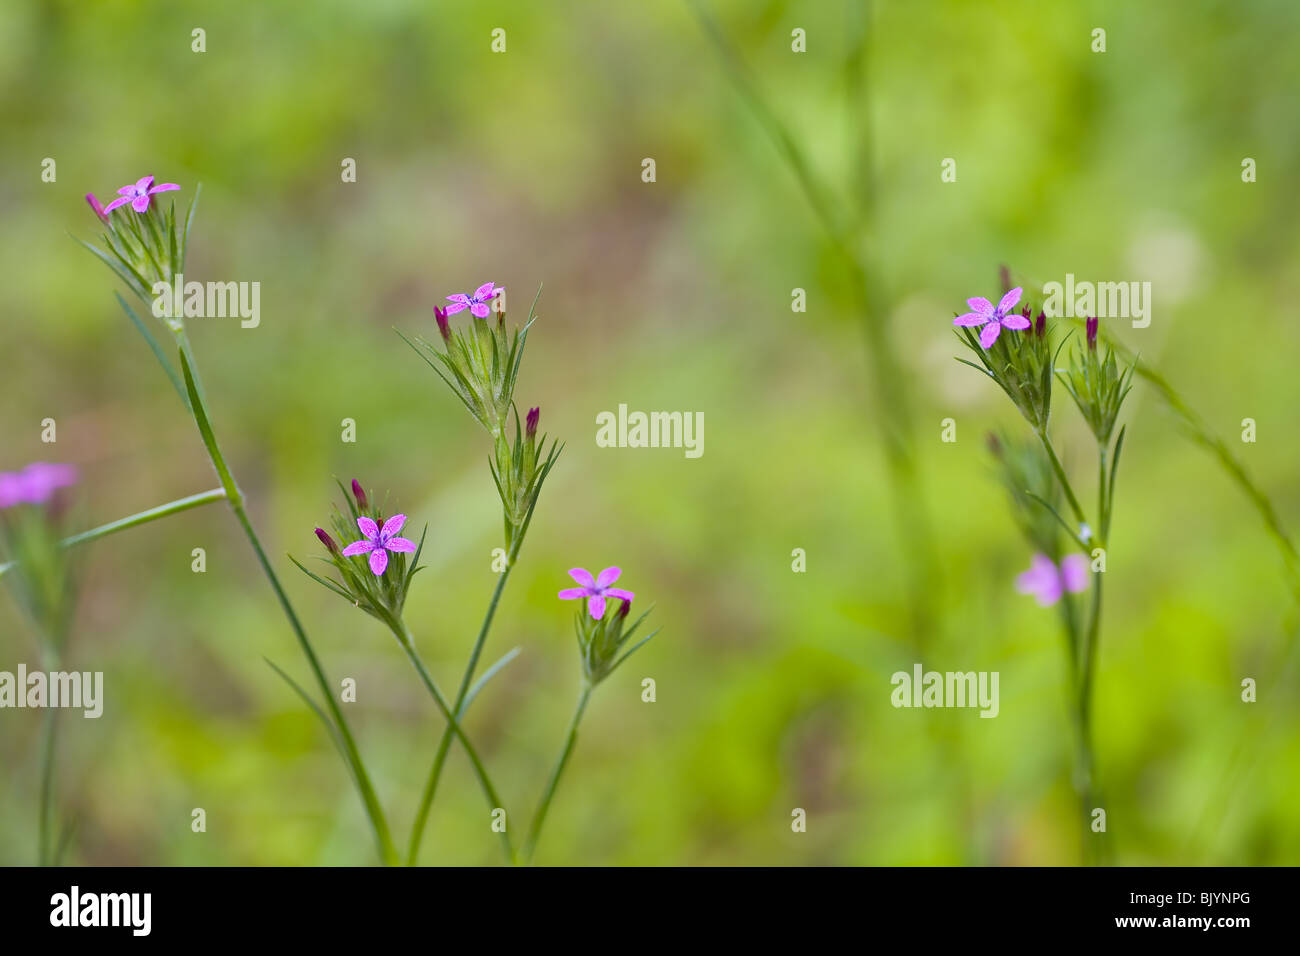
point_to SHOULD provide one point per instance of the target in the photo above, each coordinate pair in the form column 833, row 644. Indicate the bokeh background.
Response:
column 524, row 168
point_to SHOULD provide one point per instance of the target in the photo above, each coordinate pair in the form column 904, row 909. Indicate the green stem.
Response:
column 383, row 838
column 435, row 772
column 535, row 831
column 404, row 638
column 135, row 520
column 1075, row 507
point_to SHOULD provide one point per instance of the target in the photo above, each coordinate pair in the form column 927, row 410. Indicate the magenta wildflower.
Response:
column 35, row 484
column 138, row 193
column 1046, row 582
column 993, row 319
column 476, row 303
column 596, row 590
column 379, row 541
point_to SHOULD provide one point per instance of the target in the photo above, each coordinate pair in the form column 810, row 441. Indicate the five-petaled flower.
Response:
column 1046, row 582
column 596, row 590
column 379, row 541
column 138, row 193
column 476, row 303
column 993, row 319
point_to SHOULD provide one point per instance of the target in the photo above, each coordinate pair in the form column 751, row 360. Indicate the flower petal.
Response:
column 970, row 318
column 1074, row 573
column 163, row 188
column 980, row 304
column 1010, row 299
column 597, row 607
column 583, row 577
column 143, row 183
column 455, row 307
column 130, row 192
column 460, row 297
column 359, row 547
column 368, row 527
column 392, row 526
column 619, row 593
column 378, row 561
column 141, row 203
column 1015, row 322
column 484, row 292
column 607, row 577
column 401, row 545
column 117, row 202
column 480, row 310
column 989, row 334
column 572, row 594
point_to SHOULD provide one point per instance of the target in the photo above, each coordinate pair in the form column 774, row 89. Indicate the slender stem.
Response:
column 48, row 731
column 404, row 638
column 535, row 831
column 383, row 838
column 135, row 520
column 1061, row 477
column 435, row 772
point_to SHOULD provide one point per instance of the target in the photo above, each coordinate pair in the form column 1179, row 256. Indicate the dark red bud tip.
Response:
column 626, row 609
column 443, row 326
column 362, row 502
column 326, row 540
column 1040, row 325
column 1092, row 324
column 530, row 424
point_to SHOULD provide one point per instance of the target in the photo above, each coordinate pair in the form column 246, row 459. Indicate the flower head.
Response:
column 993, row 319
column 138, row 194
column 35, row 484
column 596, row 590
column 379, row 541
column 476, row 303
column 1046, row 582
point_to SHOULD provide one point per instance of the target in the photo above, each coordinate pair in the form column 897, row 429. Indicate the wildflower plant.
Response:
column 368, row 560
column 1021, row 357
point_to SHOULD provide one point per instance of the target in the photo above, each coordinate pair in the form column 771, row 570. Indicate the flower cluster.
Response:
column 1021, row 364
column 481, row 366
column 144, row 244
column 602, row 631
column 373, row 572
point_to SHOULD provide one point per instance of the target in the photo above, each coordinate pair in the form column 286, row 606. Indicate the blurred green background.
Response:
column 525, row 168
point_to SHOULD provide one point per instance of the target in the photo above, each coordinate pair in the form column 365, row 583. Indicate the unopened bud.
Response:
column 1092, row 333
column 443, row 326
column 530, row 423
column 326, row 540
column 362, row 502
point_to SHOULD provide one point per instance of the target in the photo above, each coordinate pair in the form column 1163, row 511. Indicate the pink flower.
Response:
column 379, row 541
column 476, row 303
column 993, row 320
column 596, row 590
column 1046, row 582
column 138, row 194
column 35, row 484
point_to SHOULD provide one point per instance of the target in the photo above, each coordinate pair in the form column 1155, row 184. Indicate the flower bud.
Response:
column 530, row 427
column 1040, row 325
column 443, row 326
column 1092, row 323
column 362, row 502
column 625, row 610
column 95, row 205
column 326, row 540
